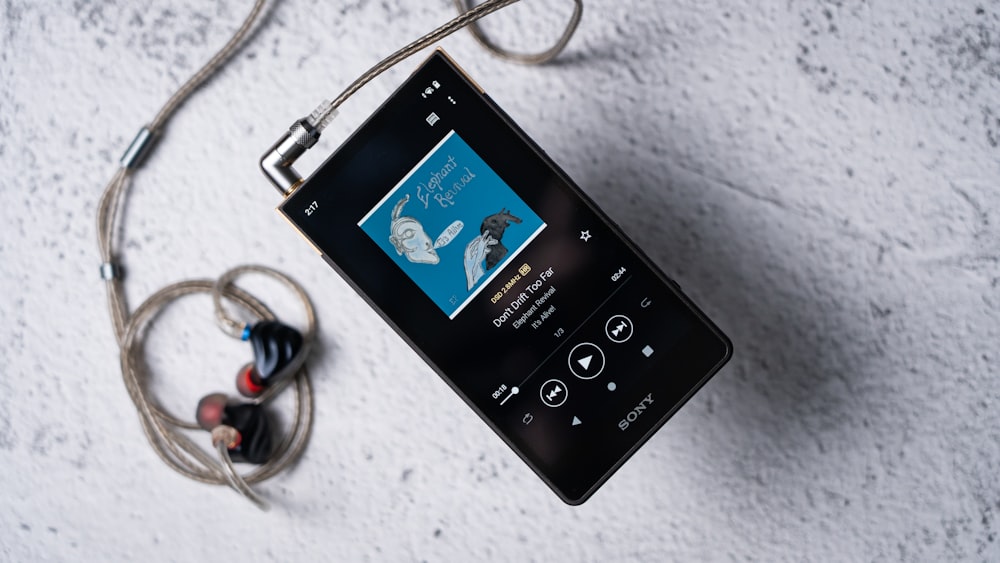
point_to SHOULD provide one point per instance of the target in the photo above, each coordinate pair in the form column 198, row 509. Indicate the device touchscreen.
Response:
column 507, row 279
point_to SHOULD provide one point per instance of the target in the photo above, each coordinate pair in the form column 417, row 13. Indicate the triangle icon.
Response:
column 585, row 361
column 577, row 421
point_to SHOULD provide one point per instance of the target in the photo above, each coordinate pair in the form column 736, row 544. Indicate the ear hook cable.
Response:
column 163, row 430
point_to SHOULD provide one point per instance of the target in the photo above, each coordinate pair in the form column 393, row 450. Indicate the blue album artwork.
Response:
column 452, row 224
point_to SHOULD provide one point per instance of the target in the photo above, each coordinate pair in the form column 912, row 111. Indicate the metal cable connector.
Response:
column 278, row 160
column 301, row 136
column 110, row 271
column 138, row 148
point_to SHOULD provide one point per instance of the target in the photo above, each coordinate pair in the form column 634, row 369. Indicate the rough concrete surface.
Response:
column 820, row 176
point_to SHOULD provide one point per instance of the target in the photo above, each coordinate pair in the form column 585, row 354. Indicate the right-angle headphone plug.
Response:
column 301, row 136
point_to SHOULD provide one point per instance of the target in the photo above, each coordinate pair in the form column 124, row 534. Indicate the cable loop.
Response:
column 465, row 18
column 524, row 58
column 234, row 327
column 164, row 431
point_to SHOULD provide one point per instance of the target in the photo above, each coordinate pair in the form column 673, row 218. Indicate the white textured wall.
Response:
column 822, row 177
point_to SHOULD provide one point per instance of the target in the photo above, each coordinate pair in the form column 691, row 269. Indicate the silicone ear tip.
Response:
column 211, row 410
column 246, row 382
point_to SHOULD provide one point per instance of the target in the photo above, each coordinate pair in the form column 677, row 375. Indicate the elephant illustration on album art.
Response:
column 482, row 253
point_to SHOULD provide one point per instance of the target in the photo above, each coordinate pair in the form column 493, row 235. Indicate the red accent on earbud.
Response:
column 235, row 443
column 246, row 384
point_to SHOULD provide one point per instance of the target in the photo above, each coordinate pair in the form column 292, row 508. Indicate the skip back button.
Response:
column 553, row 393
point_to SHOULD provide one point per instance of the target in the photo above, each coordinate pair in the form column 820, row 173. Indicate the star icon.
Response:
column 585, row 235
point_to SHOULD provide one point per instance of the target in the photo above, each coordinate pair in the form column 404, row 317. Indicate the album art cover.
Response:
column 452, row 224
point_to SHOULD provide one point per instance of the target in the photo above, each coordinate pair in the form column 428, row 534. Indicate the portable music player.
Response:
column 507, row 279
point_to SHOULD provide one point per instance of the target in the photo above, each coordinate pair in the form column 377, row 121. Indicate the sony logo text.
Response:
column 635, row 413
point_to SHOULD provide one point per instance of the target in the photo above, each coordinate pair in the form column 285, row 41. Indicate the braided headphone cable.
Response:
column 164, row 431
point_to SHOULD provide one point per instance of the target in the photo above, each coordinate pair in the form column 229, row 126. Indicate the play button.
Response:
column 577, row 421
column 586, row 360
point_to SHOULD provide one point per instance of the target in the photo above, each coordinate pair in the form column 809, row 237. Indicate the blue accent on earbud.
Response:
column 246, row 333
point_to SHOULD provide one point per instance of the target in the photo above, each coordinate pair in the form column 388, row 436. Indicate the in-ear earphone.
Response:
column 241, row 429
column 252, row 441
column 278, row 353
